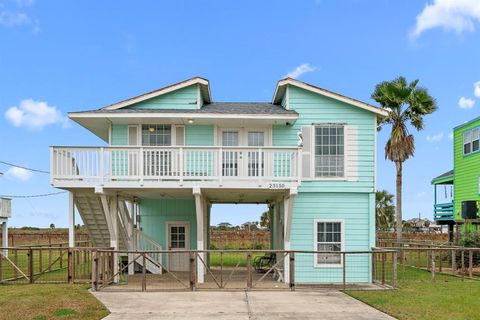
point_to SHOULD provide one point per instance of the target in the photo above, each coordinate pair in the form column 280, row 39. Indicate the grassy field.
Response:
column 231, row 259
column 52, row 301
column 418, row 298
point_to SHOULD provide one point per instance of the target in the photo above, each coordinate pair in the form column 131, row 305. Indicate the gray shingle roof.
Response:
column 444, row 175
column 262, row 108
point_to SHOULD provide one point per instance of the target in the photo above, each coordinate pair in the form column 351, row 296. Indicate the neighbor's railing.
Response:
column 175, row 163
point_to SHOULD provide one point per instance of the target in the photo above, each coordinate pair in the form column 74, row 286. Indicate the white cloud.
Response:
column 476, row 89
column 19, row 173
column 300, row 70
column 33, row 114
column 435, row 137
column 456, row 15
column 12, row 19
column 466, row 103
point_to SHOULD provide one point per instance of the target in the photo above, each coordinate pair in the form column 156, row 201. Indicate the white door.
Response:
column 256, row 159
column 230, row 159
column 178, row 239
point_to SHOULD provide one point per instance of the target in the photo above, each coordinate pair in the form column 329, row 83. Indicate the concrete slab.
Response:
column 238, row 305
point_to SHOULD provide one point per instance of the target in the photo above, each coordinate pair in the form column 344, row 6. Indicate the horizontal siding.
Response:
column 119, row 135
column 185, row 98
column 199, row 135
column 356, row 210
column 154, row 213
column 314, row 108
column 466, row 171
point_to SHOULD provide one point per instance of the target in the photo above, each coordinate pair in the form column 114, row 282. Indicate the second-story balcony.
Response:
column 443, row 212
column 175, row 167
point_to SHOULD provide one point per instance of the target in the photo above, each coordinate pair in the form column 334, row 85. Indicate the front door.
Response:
column 178, row 240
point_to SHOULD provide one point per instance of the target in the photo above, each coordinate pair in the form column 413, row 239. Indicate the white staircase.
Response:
column 93, row 214
column 144, row 243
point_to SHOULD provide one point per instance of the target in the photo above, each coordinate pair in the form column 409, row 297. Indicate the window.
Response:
column 329, row 151
column 156, row 135
column 329, row 237
column 475, row 139
column 467, row 142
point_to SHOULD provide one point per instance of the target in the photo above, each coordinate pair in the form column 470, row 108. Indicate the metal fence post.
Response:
column 193, row 270
column 383, row 268
column 432, row 263
column 463, row 264
column 30, row 265
column 344, row 264
column 292, row 270
column 454, row 261
column 374, row 266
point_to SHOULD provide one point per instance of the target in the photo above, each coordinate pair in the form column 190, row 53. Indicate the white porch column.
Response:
column 199, row 208
column 287, row 217
column 113, row 215
column 5, row 237
column 71, row 220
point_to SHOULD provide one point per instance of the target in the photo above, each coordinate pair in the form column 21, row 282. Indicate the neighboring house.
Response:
column 172, row 153
column 461, row 186
column 419, row 224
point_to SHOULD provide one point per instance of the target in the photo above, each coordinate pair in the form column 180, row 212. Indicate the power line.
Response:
column 26, row 168
column 33, row 195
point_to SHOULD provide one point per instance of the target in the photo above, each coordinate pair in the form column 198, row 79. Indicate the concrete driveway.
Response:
column 236, row 305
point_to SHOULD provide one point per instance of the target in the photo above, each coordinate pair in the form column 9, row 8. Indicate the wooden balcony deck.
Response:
column 127, row 167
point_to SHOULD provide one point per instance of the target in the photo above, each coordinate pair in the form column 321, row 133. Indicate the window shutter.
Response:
column 180, row 136
column 132, row 135
column 351, row 153
column 307, row 156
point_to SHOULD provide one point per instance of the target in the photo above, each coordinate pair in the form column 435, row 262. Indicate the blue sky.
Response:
column 61, row 56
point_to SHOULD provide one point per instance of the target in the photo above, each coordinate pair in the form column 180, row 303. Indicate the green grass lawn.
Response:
column 49, row 301
column 230, row 259
column 419, row 298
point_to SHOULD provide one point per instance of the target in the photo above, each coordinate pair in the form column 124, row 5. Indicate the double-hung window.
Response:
column 471, row 139
column 328, row 238
column 329, row 151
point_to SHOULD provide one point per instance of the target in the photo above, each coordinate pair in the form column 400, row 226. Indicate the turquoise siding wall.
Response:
column 185, row 98
column 154, row 213
column 314, row 108
column 199, row 135
column 119, row 135
column 352, row 208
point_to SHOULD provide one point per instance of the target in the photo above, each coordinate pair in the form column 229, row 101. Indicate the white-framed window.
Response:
column 329, row 236
column 156, row 135
column 467, row 142
column 475, row 139
column 329, row 150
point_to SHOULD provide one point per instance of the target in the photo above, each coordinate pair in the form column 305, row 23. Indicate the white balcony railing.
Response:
column 110, row 165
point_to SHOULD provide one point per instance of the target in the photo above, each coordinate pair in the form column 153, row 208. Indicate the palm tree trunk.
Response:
column 398, row 208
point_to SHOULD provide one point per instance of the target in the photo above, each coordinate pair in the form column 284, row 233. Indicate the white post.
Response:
column 288, row 213
column 71, row 220
column 5, row 238
column 114, row 235
column 200, row 232
column 132, row 245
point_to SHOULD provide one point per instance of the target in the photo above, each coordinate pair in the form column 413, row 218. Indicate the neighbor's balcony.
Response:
column 443, row 211
column 258, row 167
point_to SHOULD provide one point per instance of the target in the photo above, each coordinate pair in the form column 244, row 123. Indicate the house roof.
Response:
column 253, row 108
column 282, row 84
column 204, row 89
column 444, row 178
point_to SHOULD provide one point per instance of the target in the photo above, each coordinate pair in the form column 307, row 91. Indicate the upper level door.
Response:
column 230, row 158
column 256, row 159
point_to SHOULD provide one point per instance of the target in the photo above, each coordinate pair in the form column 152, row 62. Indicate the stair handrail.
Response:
column 146, row 243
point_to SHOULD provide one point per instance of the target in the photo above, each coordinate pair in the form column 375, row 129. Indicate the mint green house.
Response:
column 172, row 153
column 462, row 184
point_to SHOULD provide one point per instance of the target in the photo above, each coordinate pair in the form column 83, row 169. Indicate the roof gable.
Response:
column 280, row 92
column 203, row 95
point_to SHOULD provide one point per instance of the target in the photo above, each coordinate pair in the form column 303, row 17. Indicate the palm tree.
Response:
column 384, row 209
column 408, row 104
